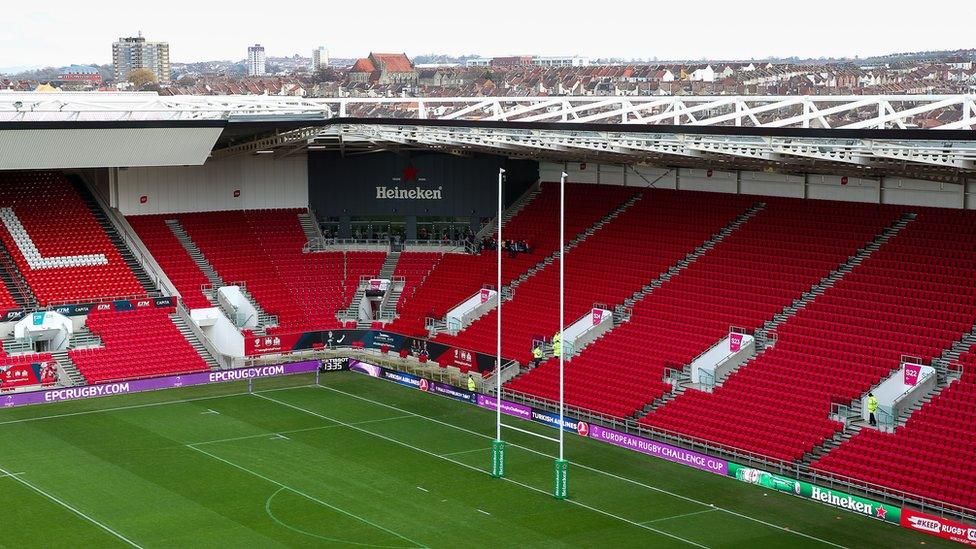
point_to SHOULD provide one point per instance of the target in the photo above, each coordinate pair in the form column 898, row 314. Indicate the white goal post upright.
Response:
column 498, row 446
column 562, row 466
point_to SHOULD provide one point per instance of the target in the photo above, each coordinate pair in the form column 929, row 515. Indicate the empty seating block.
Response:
column 745, row 279
column 263, row 250
column 457, row 277
column 913, row 296
column 607, row 267
column 172, row 258
column 136, row 344
column 56, row 242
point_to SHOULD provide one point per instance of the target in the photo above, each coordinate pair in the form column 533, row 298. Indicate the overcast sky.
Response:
column 61, row 32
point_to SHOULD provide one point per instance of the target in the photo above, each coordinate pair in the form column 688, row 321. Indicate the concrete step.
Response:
column 576, row 241
column 194, row 341
column 70, row 368
column 831, row 278
column 520, row 203
column 191, row 248
column 14, row 280
column 113, row 234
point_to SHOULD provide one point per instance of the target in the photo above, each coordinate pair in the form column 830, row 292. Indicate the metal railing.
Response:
column 885, row 419
column 224, row 361
column 707, row 380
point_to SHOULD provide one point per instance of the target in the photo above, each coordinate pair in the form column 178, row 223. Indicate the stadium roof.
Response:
column 926, row 136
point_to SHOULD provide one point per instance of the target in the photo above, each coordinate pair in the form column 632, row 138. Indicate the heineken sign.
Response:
column 834, row 498
column 416, row 193
column 414, row 183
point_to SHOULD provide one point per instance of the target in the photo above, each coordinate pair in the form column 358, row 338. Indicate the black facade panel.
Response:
column 418, row 184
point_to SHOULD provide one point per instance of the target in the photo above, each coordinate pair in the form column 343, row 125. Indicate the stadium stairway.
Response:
column 195, row 342
column 952, row 354
column 265, row 320
column 508, row 291
column 14, row 346
column 576, row 241
column 789, row 311
column 388, row 309
column 191, row 248
column 389, row 265
column 310, row 227
column 683, row 382
column 412, row 268
column 489, row 228
column 14, row 281
column 657, row 282
column 113, row 235
column 69, row 367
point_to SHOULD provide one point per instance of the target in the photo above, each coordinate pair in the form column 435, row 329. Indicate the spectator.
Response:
column 536, row 355
column 872, row 408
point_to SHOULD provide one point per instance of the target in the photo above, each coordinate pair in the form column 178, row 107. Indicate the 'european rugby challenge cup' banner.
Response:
column 862, row 506
column 660, row 450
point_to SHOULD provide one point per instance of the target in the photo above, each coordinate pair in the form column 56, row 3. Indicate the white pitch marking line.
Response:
column 466, row 452
column 682, row 516
column 147, row 405
column 465, row 465
column 484, row 512
column 281, row 434
column 5, row 475
column 16, row 476
column 593, row 469
column 422, row 489
column 311, row 498
column 210, row 411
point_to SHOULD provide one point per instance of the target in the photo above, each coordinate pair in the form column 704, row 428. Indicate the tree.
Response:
column 140, row 77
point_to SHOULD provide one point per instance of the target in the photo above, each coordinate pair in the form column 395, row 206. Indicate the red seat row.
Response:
column 905, row 299
column 60, row 224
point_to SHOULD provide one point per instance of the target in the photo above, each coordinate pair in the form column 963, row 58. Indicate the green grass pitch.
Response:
column 359, row 462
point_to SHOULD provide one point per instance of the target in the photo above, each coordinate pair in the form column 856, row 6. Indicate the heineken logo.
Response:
column 410, row 175
column 847, row 501
column 416, row 193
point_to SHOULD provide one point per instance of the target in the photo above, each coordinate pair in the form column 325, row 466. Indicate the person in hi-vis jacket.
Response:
column 872, row 408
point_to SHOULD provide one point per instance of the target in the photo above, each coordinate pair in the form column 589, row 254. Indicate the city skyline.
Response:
column 747, row 30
